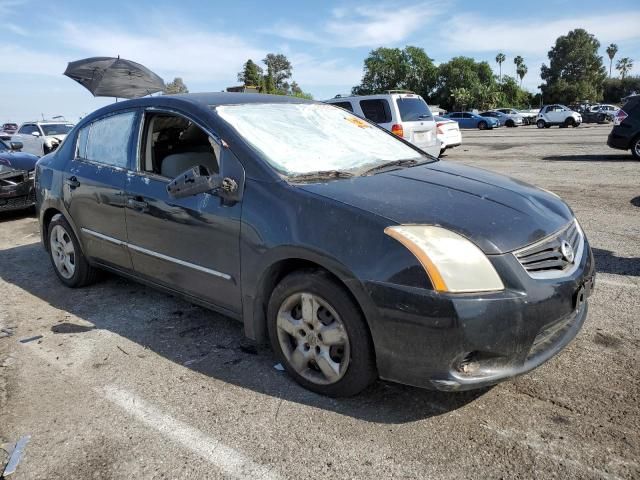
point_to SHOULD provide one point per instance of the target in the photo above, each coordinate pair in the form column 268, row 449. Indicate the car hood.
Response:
column 497, row 213
column 20, row 160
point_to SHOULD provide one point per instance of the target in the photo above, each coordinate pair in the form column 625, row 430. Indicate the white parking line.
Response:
column 230, row 461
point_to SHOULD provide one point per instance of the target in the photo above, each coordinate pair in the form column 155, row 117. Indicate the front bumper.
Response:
column 466, row 341
column 17, row 197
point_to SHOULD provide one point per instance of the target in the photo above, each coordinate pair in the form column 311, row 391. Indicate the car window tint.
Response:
column 27, row 129
column 108, row 140
column 413, row 109
column 376, row 110
column 467, row 115
column 345, row 105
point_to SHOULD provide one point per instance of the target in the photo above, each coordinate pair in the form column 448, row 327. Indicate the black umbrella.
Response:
column 114, row 77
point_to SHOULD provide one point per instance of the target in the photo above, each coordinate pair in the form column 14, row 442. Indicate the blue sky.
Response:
column 206, row 43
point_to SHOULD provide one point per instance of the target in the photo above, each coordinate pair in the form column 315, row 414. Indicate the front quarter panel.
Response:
column 284, row 222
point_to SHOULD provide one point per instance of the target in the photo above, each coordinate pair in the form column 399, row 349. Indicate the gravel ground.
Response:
column 127, row 382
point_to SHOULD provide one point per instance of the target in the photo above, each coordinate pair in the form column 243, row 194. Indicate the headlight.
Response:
column 453, row 263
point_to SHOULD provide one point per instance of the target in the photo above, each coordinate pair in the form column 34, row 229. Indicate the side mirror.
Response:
column 16, row 146
column 35, row 134
column 197, row 180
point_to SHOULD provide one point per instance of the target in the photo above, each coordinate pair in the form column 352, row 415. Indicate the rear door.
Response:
column 94, row 186
column 418, row 124
column 377, row 110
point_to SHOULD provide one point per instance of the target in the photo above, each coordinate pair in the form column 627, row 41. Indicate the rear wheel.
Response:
column 540, row 124
column 510, row 123
column 635, row 148
column 67, row 259
column 320, row 336
column 570, row 122
column 482, row 125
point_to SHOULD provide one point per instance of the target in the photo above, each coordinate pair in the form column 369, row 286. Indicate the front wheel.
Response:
column 540, row 123
column 67, row 259
column 570, row 122
column 320, row 336
column 510, row 123
column 482, row 125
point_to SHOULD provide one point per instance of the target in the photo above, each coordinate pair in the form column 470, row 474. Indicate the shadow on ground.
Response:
column 204, row 341
column 591, row 158
column 17, row 214
column 607, row 262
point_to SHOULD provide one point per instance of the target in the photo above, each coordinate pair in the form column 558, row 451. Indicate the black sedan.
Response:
column 356, row 254
column 17, row 170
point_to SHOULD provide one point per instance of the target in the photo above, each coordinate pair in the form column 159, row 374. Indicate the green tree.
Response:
column 461, row 98
column 624, row 66
column 251, row 74
column 518, row 61
column 615, row 89
column 279, row 67
column 612, row 49
column 522, row 71
column 500, row 58
column 392, row 68
column 512, row 95
column 462, row 72
column 268, row 84
column 177, row 86
column 575, row 71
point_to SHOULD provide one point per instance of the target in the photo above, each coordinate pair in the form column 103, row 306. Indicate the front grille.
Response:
column 547, row 258
column 22, row 201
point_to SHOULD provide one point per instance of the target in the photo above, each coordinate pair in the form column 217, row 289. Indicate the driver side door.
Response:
column 189, row 244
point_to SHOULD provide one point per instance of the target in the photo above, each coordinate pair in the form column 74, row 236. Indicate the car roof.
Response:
column 233, row 98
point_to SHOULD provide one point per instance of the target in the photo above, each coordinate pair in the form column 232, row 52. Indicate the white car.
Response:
column 448, row 132
column 518, row 118
column 550, row 115
column 401, row 112
column 40, row 138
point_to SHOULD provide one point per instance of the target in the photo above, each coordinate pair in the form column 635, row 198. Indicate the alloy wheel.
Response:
column 62, row 251
column 313, row 338
column 636, row 148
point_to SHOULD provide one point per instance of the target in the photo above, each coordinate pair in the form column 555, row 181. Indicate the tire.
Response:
column 67, row 258
column 297, row 337
column 482, row 125
column 601, row 118
column 570, row 122
column 635, row 148
column 510, row 123
column 541, row 124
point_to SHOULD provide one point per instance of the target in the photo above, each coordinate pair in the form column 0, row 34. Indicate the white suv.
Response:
column 557, row 115
column 399, row 111
column 40, row 138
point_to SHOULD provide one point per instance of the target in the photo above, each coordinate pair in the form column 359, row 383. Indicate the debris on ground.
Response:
column 15, row 451
column 279, row 367
column 30, row 339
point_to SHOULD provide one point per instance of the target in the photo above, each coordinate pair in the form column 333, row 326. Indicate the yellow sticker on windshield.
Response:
column 357, row 122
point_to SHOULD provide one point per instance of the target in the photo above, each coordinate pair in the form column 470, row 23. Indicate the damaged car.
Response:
column 353, row 252
column 16, row 177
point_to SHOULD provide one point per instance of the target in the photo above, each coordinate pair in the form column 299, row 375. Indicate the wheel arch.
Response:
column 255, row 309
column 47, row 217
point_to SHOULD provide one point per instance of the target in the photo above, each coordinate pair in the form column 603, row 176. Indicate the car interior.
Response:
column 173, row 144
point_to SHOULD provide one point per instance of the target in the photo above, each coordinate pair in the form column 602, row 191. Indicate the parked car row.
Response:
column 625, row 134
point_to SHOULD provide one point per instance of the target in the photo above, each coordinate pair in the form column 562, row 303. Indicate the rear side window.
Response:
column 376, row 110
column 345, row 105
column 632, row 105
column 107, row 140
column 413, row 109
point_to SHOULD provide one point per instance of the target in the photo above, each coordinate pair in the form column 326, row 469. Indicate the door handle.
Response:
column 73, row 182
column 137, row 204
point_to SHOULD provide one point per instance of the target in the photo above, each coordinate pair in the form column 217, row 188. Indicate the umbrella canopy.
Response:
column 114, row 77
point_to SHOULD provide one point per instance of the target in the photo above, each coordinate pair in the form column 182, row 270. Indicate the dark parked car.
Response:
column 625, row 134
column 356, row 254
column 16, row 177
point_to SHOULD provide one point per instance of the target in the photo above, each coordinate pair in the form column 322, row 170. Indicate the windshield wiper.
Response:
column 394, row 165
column 320, row 175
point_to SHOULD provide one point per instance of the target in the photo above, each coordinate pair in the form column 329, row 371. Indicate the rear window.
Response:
column 345, row 105
column 376, row 110
column 632, row 105
column 413, row 109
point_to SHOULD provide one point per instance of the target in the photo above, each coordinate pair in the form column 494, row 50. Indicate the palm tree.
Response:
column 499, row 59
column 518, row 61
column 611, row 51
column 624, row 66
column 522, row 71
